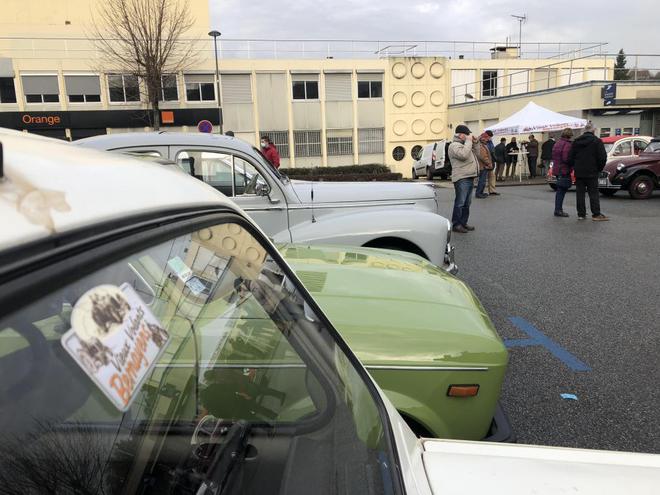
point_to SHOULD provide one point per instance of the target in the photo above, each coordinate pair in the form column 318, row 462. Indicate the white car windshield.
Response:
column 245, row 391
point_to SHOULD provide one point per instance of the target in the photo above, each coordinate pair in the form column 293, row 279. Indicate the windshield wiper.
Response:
column 220, row 474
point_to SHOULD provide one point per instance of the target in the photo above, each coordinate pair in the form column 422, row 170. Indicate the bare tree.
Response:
column 144, row 38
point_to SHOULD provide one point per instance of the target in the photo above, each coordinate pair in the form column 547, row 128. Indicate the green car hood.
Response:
column 397, row 309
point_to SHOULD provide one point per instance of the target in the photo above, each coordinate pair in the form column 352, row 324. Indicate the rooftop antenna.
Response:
column 521, row 19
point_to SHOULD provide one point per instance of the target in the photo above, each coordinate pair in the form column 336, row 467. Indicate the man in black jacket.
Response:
column 546, row 154
column 588, row 158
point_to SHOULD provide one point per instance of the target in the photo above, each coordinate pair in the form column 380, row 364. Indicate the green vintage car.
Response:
column 421, row 332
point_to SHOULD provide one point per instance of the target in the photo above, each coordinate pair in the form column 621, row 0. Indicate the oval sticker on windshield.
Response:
column 116, row 340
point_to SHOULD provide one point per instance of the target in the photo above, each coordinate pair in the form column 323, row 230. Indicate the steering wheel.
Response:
column 38, row 357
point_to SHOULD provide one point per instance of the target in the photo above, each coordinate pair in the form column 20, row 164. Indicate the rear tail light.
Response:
column 462, row 390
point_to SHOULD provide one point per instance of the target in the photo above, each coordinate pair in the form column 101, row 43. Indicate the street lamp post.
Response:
column 215, row 35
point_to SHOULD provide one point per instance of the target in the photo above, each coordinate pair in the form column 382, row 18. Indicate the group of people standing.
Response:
column 476, row 157
column 584, row 159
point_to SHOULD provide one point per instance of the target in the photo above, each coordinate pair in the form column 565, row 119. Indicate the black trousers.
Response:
column 589, row 185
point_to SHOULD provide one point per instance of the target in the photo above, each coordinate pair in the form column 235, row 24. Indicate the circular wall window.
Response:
column 416, row 152
column 399, row 153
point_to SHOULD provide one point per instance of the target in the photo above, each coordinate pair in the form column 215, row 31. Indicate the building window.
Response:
column 399, row 153
column 41, row 89
column 305, row 90
column 281, row 141
column 338, row 87
column 200, row 87
column 371, row 141
column 416, row 152
column 605, row 132
column 7, row 90
column 627, row 131
column 123, row 88
column 307, row 143
column 340, row 142
column 83, row 89
column 169, row 89
column 488, row 83
column 370, row 89
column 236, row 88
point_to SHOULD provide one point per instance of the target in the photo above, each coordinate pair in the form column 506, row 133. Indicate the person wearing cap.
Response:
column 486, row 164
column 588, row 158
column 465, row 167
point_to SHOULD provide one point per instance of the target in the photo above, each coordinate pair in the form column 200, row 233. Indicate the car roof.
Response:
column 614, row 139
column 50, row 186
column 163, row 138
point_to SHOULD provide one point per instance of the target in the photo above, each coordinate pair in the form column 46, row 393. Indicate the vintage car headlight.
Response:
column 620, row 167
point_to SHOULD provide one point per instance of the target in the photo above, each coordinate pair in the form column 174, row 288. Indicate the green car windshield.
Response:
column 245, row 389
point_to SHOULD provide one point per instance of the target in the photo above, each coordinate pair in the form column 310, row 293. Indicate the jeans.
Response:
column 463, row 189
column 563, row 185
column 481, row 183
column 589, row 184
column 531, row 163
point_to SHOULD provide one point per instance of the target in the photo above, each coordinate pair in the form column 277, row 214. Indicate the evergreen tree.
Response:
column 620, row 71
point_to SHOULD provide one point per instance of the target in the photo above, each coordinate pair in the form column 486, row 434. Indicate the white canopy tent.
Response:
column 535, row 118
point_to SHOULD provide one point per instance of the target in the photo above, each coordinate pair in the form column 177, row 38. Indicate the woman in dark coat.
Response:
column 561, row 169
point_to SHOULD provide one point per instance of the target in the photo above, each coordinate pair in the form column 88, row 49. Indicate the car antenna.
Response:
column 312, row 194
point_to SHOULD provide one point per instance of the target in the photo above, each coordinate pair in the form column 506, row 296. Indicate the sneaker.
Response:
column 580, row 217
column 481, row 196
column 460, row 229
column 494, row 194
column 600, row 218
column 562, row 214
column 469, row 228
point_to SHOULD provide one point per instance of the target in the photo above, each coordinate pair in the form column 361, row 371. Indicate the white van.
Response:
column 431, row 162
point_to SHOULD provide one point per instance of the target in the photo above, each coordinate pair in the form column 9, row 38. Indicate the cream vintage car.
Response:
column 212, row 372
column 392, row 215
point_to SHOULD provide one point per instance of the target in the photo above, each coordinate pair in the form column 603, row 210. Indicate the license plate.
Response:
column 602, row 181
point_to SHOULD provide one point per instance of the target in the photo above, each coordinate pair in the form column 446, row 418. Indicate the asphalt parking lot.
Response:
column 578, row 302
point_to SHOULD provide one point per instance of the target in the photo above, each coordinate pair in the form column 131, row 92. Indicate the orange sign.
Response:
column 42, row 119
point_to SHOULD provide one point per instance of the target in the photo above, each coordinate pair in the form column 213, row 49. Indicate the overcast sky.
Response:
column 632, row 26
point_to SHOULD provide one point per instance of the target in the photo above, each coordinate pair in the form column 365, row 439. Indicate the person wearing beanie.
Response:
column 465, row 167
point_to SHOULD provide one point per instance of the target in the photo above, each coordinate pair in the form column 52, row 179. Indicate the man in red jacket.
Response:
column 270, row 151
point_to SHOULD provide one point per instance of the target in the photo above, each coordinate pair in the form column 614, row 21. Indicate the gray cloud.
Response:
column 632, row 27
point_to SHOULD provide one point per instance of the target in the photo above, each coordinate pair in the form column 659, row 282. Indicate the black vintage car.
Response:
column 639, row 175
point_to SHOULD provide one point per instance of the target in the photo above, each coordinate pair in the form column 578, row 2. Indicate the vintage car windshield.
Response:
column 608, row 147
column 193, row 366
column 266, row 163
column 653, row 147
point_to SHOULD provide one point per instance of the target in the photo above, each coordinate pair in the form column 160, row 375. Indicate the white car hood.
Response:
column 342, row 192
column 462, row 468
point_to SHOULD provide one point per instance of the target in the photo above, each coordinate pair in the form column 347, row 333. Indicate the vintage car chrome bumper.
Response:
column 449, row 264
column 604, row 182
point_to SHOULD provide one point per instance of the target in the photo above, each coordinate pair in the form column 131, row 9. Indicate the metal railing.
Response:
column 231, row 48
column 557, row 74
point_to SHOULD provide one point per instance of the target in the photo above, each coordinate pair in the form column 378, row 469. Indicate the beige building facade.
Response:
column 319, row 111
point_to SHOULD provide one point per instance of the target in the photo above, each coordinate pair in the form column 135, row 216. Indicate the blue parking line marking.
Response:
column 539, row 338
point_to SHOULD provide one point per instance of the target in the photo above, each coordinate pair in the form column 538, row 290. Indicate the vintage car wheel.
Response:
column 641, row 187
column 608, row 192
column 414, row 173
column 553, row 186
column 429, row 173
